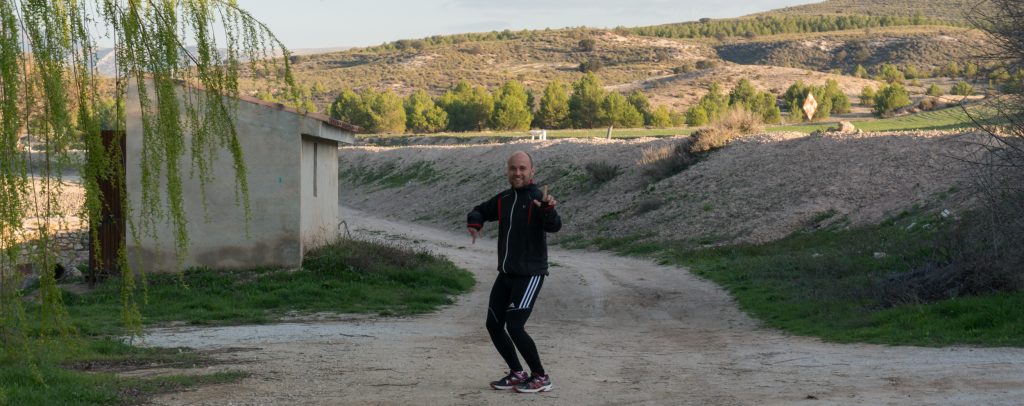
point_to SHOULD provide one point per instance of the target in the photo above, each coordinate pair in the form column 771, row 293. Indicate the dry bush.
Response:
column 647, row 205
column 741, row 121
column 707, row 139
column 601, row 171
column 732, row 124
column 929, row 103
column 667, row 160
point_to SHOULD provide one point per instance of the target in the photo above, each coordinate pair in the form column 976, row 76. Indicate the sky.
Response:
column 348, row 23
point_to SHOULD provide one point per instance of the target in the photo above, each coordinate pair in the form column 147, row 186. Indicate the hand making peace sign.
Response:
column 546, row 199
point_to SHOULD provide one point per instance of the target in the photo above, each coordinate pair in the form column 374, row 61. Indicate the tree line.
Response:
column 771, row 25
column 510, row 107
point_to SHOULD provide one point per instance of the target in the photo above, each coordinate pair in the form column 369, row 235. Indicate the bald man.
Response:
column 525, row 214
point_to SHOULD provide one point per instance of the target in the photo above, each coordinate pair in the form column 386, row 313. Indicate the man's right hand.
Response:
column 473, row 232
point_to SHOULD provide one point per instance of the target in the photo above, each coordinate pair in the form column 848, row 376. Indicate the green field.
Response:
column 946, row 119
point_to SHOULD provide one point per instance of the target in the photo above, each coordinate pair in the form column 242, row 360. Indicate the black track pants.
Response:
column 512, row 299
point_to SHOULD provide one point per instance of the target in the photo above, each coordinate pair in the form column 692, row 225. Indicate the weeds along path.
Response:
column 612, row 330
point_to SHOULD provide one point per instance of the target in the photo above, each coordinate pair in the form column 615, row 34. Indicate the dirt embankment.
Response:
column 757, row 189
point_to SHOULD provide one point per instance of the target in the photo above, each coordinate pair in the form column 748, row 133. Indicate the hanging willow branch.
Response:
column 50, row 89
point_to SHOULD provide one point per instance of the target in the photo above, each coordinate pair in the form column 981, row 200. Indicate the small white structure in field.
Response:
column 538, row 134
column 292, row 162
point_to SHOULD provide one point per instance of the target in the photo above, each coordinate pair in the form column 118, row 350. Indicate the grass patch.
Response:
column 946, row 119
column 829, row 283
column 349, row 276
column 624, row 133
column 56, row 377
column 391, row 176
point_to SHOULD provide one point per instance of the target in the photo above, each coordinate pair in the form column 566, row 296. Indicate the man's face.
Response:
column 519, row 171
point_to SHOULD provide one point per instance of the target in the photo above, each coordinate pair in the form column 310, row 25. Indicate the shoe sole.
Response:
column 540, row 389
column 497, row 387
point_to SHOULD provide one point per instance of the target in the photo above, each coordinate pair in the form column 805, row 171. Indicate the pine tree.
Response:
column 585, row 102
column 511, row 111
column 422, row 115
column 554, row 106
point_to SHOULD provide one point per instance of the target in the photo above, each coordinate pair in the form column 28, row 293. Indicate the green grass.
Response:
column 56, row 376
column 346, row 277
column 552, row 134
column 829, row 284
column 391, row 176
column 945, row 119
column 350, row 276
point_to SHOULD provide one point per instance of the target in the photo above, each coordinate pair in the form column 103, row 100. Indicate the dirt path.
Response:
column 611, row 330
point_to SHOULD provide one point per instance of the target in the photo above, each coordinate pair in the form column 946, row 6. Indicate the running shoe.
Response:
column 536, row 383
column 510, row 381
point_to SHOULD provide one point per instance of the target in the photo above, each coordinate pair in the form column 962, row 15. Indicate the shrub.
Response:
column 601, row 171
column 860, row 72
column 962, row 88
column 934, row 90
column 797, row 94
column 684, row 68
column 696, row 116
column 469, row 107
column 840, row 103
column 591, row 65
column 706, row 64
column 929, row 103
column 647, row 205
column 587, row 44
column 890, row 98
column 660, row 118
column 741, row 121
column 867, row 96
column 665, row 161
column 617, row 111
column 708, row 139
column 890, row 74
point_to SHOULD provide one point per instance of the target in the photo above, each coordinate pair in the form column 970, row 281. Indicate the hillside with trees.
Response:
column 510, row 80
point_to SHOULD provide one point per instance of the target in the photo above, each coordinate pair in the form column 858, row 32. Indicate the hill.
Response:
column 757, row 189
column 672, row 70
column 952, row 10
column 926, row 48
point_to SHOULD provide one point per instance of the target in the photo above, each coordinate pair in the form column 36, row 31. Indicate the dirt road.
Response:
column 611, row 330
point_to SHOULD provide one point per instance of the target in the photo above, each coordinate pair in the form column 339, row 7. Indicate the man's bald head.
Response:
column 520, row 154
column 520, row 169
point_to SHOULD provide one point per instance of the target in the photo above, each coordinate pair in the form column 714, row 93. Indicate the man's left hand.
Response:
column 546, row 199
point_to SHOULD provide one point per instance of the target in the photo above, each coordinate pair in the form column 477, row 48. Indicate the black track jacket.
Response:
column 522, row 242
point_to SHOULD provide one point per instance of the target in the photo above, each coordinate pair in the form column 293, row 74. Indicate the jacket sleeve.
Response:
column 484, row 212
column 550, row 221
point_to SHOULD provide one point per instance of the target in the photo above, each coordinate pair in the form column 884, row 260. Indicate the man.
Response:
column 524, row 214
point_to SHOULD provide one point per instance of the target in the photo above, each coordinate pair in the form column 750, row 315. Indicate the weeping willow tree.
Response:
column 50, row 89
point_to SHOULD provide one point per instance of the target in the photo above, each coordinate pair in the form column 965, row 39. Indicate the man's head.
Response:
column 519, row 169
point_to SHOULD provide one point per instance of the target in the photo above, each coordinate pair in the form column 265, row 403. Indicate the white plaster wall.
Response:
column 319, row 213
column 217, row 231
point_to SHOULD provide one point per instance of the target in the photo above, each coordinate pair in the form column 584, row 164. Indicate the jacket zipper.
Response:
column 508, row 236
